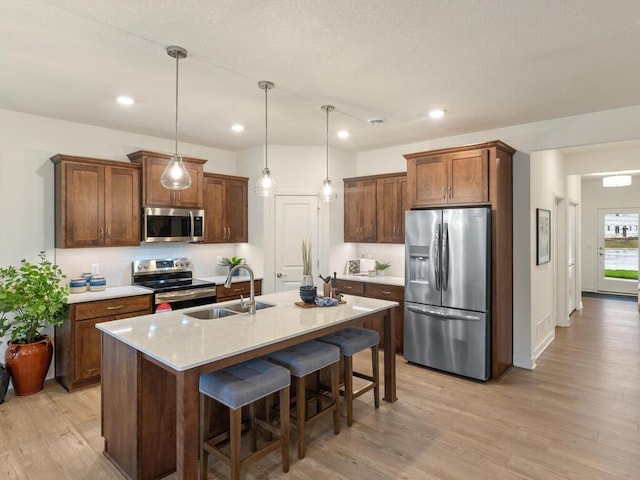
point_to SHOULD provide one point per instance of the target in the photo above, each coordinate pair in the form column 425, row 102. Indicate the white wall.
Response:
column 297, row 171
column 595, row 196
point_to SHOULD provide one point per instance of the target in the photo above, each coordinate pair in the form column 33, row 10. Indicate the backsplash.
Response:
column 392, row 253
column 115, row 263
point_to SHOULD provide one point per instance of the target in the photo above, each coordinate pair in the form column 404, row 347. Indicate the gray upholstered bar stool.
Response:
column 302, row 360
column 236, row 387
column 351, row 341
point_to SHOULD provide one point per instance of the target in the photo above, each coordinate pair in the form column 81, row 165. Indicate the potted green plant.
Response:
column 31, row 297
column 231, row 262
column 381, row 267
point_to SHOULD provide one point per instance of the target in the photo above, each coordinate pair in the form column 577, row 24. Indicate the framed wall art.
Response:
column 543, row 230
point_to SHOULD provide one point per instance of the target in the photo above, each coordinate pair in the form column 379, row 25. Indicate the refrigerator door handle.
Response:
column 436, row 263
column 444, row 316
column 445, row 256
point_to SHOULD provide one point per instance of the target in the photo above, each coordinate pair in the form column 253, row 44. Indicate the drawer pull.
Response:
column 237, row 289
column 384, row 292
column 347, row 288
column 117, row 307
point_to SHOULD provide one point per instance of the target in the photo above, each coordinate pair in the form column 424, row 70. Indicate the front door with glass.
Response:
column 618, row 250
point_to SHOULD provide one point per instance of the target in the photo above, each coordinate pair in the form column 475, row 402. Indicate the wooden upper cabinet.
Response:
column 155, row 195
column 360, row 210
column 438, row 178
column 226, row 209
column 97, row 202
column 392, row 203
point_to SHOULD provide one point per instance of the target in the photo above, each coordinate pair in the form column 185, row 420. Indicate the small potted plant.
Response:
column 232, row 262
column 31, row 297
column 381, row 267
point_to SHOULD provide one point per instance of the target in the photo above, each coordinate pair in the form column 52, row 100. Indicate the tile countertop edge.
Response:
column 109, row 292
column 383, row 280
column 284, row 302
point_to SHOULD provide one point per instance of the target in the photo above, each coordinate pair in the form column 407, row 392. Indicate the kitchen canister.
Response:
column 87, row 276
column 97, row 283
column 77, row 285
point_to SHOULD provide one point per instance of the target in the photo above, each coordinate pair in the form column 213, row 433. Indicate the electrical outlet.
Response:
column 95, row 268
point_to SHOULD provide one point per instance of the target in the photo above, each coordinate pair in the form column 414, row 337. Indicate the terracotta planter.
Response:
column 28, row 365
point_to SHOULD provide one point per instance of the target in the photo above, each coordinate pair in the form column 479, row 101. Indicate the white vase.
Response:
column 307, row 280
column 380, row 273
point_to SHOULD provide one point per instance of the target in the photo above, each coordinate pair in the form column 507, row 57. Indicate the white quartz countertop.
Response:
column 109, row 292
column 383, row 280
column 184, row 342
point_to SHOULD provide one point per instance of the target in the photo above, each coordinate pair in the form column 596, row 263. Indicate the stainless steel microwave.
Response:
column 172, row 225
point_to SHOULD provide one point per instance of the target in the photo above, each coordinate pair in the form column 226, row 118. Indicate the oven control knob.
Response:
column 140, row 267
column 146, row 265
column 188, row 263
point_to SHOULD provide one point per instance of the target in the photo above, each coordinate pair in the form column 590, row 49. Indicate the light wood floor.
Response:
column 576, row 417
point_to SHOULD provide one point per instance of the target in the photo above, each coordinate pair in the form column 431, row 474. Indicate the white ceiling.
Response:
column 490, row 64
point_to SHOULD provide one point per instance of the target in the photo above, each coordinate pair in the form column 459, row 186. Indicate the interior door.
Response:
column 618, row 250
column 296, row 217
column 571, row 260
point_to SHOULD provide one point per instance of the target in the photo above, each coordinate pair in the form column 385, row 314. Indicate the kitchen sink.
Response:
column 237, row 307
column 210, row 313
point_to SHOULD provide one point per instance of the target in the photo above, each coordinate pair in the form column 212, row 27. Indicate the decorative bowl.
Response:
column 308, row 293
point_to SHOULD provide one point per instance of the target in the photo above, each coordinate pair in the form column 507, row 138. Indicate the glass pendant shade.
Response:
column 327, row 192
column 175, row 176
column 266, row 185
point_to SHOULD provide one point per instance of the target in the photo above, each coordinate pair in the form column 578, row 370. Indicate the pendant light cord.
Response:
column 177, row 67
column 266, row 150
column 327, row 143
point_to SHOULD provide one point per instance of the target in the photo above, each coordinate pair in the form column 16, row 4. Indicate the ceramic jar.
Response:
column 97, row 283
column 28, row 364
column 77, row 285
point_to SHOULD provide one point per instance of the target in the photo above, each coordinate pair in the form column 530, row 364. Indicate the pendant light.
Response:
column 266, row 185
column 327, row 193
column 175, row 176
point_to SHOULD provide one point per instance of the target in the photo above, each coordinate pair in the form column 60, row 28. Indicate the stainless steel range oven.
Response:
column 172, row 282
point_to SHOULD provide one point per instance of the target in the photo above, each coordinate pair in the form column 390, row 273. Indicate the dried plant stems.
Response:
column 306, row 257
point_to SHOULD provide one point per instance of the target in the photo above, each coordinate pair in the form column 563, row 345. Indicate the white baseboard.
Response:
column 524, row 362
column 550, row 337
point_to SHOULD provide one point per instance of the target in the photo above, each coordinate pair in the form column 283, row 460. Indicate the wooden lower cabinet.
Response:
column 236, row 289
column 77, row 340
column 382, row 292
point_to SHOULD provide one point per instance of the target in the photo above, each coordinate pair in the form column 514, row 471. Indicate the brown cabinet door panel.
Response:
column 236, row 211
column 122, row 206
column 360, row 211
column 469, row 177
column 84, row 205
column 214, row 210
column 192, row 197
column 87, row 348
column 389, row 205
column 155, row 194
column 427, row 181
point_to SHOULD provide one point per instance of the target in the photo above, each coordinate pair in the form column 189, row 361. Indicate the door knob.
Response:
column 280, row 275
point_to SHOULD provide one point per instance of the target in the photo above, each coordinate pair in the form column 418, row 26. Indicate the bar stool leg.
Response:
column 204, row 455
column 301, row 405
column 284, row 428
column 376, row 375
column 335, row 388
column 253, row 441
column 235, row 424
column 348, row 387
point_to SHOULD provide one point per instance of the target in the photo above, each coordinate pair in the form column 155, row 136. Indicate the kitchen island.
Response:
column 151, row 366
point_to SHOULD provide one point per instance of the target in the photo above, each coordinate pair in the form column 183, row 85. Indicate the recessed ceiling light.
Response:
column 343, row 134
column 436, row 113
column 123, row 100
column 236, row 127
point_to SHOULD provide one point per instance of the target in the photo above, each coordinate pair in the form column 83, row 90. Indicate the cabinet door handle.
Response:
column 444, row 192
column 450, row 191
column 102, row 234
column 115, row 307
column 108, row 233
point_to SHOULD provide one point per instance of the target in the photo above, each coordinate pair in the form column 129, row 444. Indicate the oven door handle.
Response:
column 185, row 295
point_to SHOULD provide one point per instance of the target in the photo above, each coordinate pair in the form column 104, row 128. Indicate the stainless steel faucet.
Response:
column 251, row 304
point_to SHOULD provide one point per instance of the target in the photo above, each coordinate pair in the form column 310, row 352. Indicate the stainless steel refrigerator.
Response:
column 447, row 310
